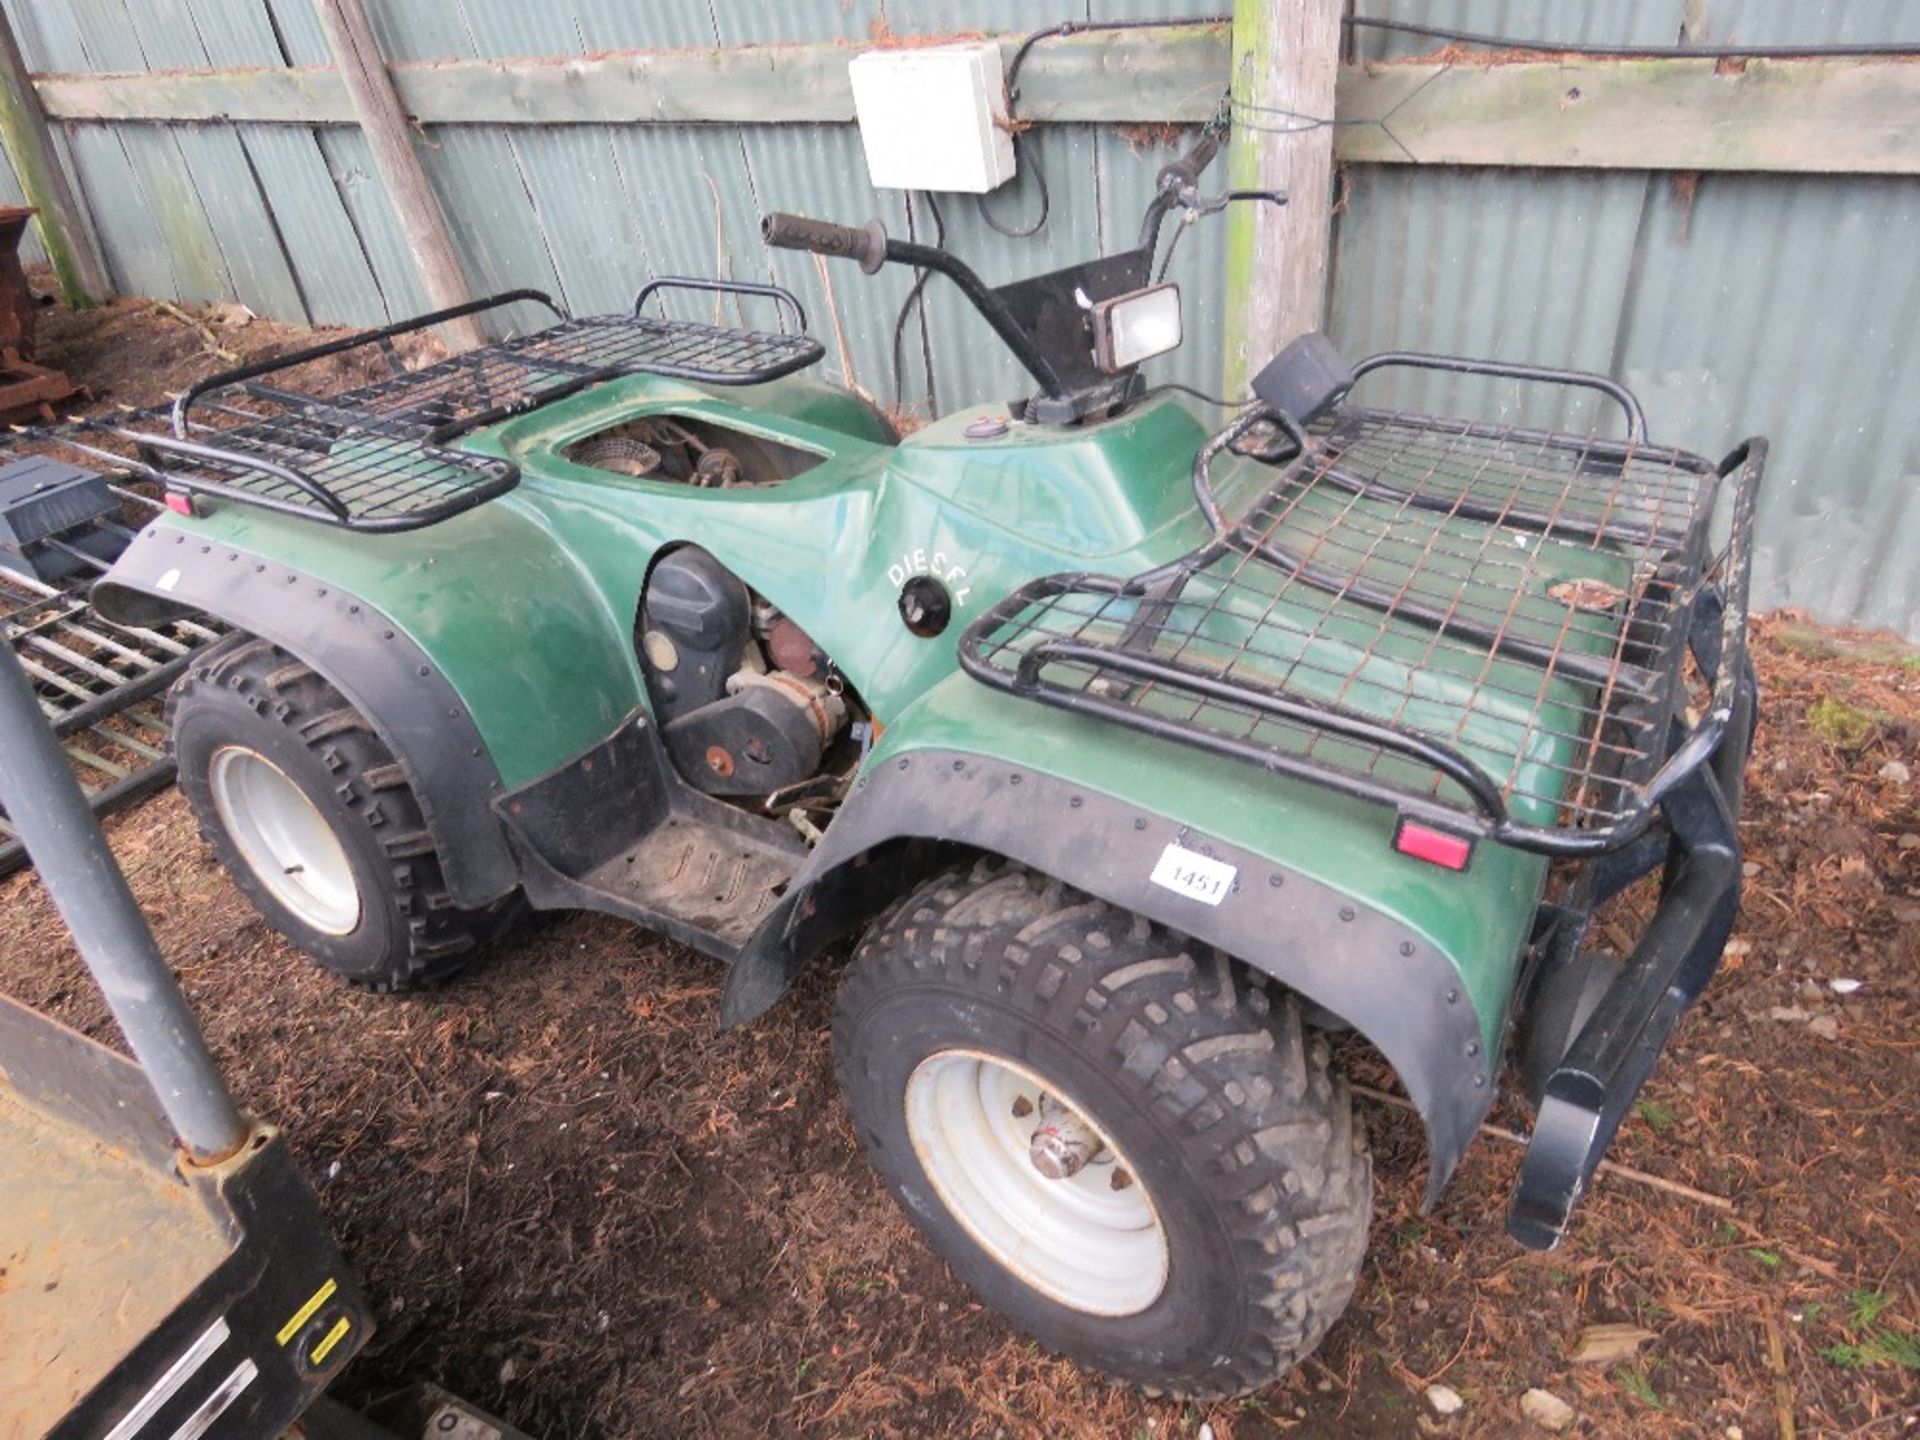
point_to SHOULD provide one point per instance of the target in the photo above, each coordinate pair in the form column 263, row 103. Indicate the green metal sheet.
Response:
column 166, row 189
column 106, row 33
column 476, row 176
column 296, row 26
column 231, row 32
column 139, row 258
column 1529, row 266
column 1788, row 308
column 593, row 233
column 243, row 224
column 381, row 246
column 657, row 25
column 820, row 170
column 110, row 38
column 312, row 221
column 694, row 207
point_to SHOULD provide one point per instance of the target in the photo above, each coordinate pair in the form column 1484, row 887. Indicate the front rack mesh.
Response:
column 377, row 457
column 1480, row 623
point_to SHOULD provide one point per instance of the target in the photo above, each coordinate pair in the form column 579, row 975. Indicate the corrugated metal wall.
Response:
column 1783, row 305
column 1733, row 303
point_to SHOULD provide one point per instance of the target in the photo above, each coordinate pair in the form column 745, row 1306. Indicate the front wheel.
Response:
column 1119, row 1138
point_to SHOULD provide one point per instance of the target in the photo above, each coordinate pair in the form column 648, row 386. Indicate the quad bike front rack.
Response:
column 1504, row 634
column 379, row 457
column 1485, row 626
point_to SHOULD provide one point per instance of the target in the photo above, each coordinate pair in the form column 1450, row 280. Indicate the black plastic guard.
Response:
column 364, row 655
column 1594, row 1086
column 1366, row 968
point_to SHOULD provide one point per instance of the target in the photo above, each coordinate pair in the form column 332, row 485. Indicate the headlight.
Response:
column 1136, row 326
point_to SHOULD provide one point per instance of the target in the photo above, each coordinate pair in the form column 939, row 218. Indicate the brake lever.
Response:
column 1196, row 204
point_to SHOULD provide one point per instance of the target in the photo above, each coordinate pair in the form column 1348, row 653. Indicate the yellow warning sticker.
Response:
column 332, row 1338
column 305, row 1312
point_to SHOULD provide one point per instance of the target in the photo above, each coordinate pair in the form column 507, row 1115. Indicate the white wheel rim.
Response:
column 1078, row 1241
column 285, row 841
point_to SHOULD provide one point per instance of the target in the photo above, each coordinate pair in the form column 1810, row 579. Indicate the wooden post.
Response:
column 77, row 267
column 1286, row 57
column 356, row 55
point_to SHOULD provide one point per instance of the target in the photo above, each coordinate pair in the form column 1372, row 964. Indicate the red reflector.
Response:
column 1436, row 847
column 179, row 503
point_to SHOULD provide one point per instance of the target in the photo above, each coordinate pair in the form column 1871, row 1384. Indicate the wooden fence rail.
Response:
column 1810, row 116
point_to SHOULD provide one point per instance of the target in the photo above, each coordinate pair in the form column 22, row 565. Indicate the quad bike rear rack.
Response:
column 1485, row 626
column 378, row 457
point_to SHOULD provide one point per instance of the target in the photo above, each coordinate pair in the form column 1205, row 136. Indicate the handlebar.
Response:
column 870, row 246
column 867, row 244
column 1186, row 171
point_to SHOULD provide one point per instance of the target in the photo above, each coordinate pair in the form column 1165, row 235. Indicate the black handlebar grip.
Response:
column 868, row 244
column 1189, row 167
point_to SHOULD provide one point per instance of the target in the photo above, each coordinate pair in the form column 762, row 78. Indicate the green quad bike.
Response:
column 1142, row 760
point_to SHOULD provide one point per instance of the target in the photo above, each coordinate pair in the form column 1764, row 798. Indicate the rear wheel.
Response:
column 1120, row 1138
column 314, row 818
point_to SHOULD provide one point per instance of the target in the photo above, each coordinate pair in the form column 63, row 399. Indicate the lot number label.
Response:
column 1196, row 876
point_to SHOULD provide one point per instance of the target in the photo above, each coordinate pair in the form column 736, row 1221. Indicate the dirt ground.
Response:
column 576, row 1202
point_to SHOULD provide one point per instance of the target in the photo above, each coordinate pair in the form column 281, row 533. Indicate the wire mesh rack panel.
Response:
column 381, row 456
column 1482, row 625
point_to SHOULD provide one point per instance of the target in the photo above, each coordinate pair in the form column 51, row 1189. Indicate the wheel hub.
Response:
column 1062, row 1143
column 284, row 839
column 1036, row 1183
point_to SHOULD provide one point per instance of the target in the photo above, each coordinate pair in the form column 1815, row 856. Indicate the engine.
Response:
column 748, row 705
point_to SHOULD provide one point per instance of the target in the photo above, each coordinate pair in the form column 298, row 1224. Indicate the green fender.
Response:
column 467, row 644
column 1420, row 960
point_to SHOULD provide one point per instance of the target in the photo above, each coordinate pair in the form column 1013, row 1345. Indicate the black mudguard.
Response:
column 916, row 812
column 362, row 654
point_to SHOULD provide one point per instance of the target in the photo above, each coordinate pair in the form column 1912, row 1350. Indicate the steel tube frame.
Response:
column 62, row 834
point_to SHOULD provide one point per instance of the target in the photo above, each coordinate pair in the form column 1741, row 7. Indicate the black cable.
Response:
column 926, row 333
column 1172, row 245
column 1059, row 32
column 1083, row 27
column 1166, row 385
column 1039, row 178
column 1635, row 52
column 916, row 293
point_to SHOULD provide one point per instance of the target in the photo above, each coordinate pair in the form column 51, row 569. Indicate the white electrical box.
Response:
column 934, row 119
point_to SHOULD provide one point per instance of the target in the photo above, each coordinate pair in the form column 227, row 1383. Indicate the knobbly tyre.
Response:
column 1140, row 759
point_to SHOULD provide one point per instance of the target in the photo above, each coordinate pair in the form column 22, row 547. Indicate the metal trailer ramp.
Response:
column 100, row 685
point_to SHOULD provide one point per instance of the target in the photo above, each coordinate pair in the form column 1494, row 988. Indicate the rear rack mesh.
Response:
column 377, row 457
column 1483, row 625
